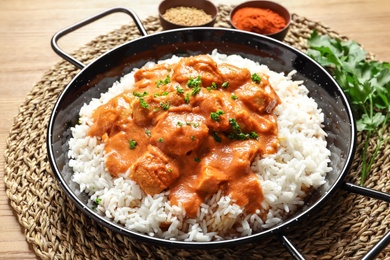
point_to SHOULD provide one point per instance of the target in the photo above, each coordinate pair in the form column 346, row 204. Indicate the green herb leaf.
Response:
column 196, row 90
column 253, row 135
column 165, row 105
column 187, row 98
column 194, row 82
column 165, row 81
column 143, row 103
column 217, row 138
column 256, row 78
column 235, row 126
column 212, row 87
column 137, row 94
column 216, row 115
column 237, row 132
column 225, row 84
column 179, row 90
column 366, row 84
column 132, row 144
column 147, row 132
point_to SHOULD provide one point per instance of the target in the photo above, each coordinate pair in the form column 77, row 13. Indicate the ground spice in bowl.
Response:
column 187, row 16
column 258, row 20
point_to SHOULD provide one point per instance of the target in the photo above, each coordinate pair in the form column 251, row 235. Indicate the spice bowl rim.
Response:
column 209, row 7
column 272, row 5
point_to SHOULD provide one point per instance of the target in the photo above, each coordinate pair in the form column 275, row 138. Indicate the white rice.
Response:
column 302, row 160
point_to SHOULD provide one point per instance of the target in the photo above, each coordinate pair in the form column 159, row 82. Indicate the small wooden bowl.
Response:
column 275, row 7
column 204, row 5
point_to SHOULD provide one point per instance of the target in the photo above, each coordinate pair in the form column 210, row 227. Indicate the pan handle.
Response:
column 366, row 191
column 82, row 23
column 385, row 241
column 288, row 244
column 350, row 187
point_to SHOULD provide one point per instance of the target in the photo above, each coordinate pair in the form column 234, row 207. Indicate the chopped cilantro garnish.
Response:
column 132, row 144
column 147, row 132
column 165, row 105
column 179, row 90
column 212, row 87
column 194, row 82
column 217, row 138
column 143, row 103
column 253, row 135
column 195, row 90
column 165, row 81
column 215, row 115
column 165, row 93
column 197, row 159
column 187, row 98
column 179, row 123
column 256, row 78
column 137, row 94
column 233, row 123
column 225, row 84
column 160, row 140
column 238, row 134
column 234, row 97
column 98, row 200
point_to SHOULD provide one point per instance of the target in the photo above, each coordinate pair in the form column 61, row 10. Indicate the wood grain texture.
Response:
column 26, row 28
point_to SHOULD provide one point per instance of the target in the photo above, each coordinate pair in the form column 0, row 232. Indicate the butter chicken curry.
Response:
column 192, row 128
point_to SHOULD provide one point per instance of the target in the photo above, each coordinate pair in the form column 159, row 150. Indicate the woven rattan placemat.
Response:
column 346, row 227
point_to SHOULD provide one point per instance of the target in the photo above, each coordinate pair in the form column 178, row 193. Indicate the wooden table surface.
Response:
column 26, row 28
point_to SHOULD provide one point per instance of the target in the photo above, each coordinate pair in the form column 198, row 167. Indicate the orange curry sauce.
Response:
column 193, row 128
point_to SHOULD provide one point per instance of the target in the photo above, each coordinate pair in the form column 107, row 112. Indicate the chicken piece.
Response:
column 142, row 113
column 234, row 75
column 179, row 133
column 154, row 171
column 210, row 180
column 260, row 98
column 249, row 122
column 109, row 117
column 192, row 67
column 145, row 77
column 214, row 102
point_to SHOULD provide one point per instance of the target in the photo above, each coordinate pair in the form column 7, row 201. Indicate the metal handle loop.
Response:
column 82, row 23
column 377, row 248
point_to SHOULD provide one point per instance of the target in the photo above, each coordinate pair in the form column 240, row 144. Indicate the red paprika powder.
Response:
column 258, row 20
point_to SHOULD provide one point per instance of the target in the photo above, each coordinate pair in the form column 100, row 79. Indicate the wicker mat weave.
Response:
column 347, row 227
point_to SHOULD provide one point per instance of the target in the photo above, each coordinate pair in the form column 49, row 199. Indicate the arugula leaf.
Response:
column 366, row 84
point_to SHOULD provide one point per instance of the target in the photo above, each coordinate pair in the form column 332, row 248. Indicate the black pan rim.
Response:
column 213, row 244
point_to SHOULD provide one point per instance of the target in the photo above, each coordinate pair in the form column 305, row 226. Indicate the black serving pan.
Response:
column 99, row 75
